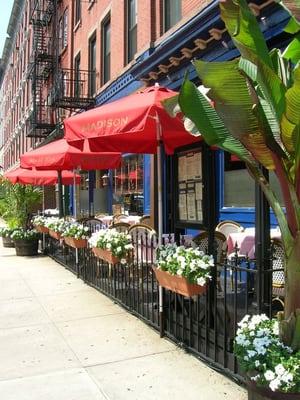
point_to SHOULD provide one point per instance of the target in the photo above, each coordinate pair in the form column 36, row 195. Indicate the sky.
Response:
column 6, row 6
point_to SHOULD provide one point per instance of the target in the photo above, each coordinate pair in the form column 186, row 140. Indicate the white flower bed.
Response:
column 190, row 263
column 264, row 357
column 118, row 243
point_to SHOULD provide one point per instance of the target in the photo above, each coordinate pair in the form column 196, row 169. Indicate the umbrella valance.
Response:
column 60, row 155
column 130, row 125
column 40, row 178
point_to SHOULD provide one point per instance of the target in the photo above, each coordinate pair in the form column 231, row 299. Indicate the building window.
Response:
column 172, row 13
column 77, row 76
column 63, row 31
column 131, row 29
column 77, row 11
column 106, row 50
column 92, row 65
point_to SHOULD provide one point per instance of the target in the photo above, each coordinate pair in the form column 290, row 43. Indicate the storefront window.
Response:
column 128, row 185
column 239, row 187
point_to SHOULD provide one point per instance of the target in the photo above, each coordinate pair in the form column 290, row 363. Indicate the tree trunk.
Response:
column 289, row 321
column 292, row 279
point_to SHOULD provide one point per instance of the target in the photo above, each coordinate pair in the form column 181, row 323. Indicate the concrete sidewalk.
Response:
column 62, row 340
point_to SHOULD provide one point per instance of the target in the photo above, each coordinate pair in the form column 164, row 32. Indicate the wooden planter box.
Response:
column 55, row 235
column 261, row 393
column 76, row 243
column 41, row 228
column 178, row 284
column 105, row 255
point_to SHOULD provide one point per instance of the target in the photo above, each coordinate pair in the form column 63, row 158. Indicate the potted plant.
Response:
column 76, row 235
column 56, row 226
column 26, row 242
column 39, row 223
column 273, row 369
column 111, row 246
column 5, row 233
column 183, row 270
column 252, row 110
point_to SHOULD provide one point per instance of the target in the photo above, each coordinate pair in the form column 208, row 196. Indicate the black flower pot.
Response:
column 7, row 242
column 26, row 247
column 262, row 393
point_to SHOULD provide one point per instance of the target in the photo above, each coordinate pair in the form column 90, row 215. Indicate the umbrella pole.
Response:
column 160, row 219
column 44, row 239
column 60, row 197
column 74, row 195
column 75, row 216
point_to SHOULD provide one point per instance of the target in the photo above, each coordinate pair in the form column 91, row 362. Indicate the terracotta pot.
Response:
column 8, row 242
column 262, row 393
column 105, row 255
column 26, row 247
column 178, row 284
column 41, row 228
column 76, row 243
column 55, row 235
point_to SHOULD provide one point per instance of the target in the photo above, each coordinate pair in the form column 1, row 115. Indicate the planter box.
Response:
column 41, row 228
column 55, row 235
column 26, row 247
column 260, row 393
column 105, row 255
column 76, row 243
column 178, row 284
column 8, row 242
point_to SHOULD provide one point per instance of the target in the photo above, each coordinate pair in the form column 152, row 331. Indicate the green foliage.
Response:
column 5, row 232
column 18, row 202
column 76, row 231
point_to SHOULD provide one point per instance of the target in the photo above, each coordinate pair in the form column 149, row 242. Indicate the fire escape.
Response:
column 53, row 87
column 41, row 68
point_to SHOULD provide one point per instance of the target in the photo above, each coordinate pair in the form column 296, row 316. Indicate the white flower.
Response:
column 274, row 384
column 251, row 353
column 269, row 375
column 257, row 363
column 201, row 281
column 279, row 369
column 123, row 261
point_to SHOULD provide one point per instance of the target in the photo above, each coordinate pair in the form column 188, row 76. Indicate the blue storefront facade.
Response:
column 204, row 37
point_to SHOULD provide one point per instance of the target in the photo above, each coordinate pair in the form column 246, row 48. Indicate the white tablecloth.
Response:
column 129, row 219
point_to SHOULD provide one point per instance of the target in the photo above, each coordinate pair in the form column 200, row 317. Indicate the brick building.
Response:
column 65, row 56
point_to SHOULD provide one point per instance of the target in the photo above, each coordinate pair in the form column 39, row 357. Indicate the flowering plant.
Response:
column 39, row 220
column 24, row 234
column 76, row 231
column 56, row 224
column 118, row 243
column 264, row 357
column 6, row 232
column 190, row 263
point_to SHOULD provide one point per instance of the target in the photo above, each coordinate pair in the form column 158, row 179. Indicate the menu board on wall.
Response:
column 190, row 188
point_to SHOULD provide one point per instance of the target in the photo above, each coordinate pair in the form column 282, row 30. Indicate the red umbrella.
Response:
column 130, row 124
column 60, row 155
column 40, row 178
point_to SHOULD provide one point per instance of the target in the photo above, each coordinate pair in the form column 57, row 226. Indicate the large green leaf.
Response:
column 234, row 100
column 244, row 30
column 293, row 8
column 196, row 107
column 292, row 52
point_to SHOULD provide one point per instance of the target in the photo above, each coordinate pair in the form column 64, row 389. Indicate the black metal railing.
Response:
column 204, row 325
column 71, row 89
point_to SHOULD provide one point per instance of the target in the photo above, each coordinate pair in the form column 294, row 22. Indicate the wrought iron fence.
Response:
column 204, row 325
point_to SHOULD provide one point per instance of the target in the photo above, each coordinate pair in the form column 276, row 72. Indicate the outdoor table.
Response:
column 129, row 219
column 245, row 241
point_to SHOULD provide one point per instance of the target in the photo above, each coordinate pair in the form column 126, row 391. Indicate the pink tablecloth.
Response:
column 245, row 241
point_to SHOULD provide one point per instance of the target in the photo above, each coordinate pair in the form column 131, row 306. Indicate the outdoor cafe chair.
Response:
column 227, row 227
column 94, row 224
column 118, row 218
column 220, row 247
column 121, row 227
column 144, row 240
column 146, row 219
column 278, row 279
